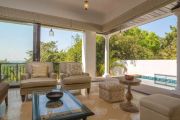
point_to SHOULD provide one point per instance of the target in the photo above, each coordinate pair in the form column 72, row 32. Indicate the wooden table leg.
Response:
column 128, row 106
column 129, row 96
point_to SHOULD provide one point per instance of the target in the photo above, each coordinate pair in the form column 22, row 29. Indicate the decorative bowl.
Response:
column 54, row 104
column 129, row 77
column 54, row 95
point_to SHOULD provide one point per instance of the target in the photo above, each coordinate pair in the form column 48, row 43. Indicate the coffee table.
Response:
column 67, row 108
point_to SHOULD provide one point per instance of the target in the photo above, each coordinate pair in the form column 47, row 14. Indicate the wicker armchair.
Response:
column 72, row 77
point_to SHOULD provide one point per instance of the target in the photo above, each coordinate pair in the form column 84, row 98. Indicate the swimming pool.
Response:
column 165, row 80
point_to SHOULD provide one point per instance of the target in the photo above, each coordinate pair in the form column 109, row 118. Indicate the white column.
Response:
column 177, row 12
column 89, row 53
column 106, row 72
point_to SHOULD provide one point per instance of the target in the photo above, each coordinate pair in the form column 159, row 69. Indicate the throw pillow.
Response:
column 39, row 70
column 74, row 69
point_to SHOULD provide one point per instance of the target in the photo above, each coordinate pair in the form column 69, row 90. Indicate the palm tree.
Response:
column 120, row 64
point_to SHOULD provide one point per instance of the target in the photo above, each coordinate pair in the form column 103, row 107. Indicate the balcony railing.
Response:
column 11, row 72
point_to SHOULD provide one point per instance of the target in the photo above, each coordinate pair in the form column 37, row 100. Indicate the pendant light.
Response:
column 51, row 33
column 86, row 4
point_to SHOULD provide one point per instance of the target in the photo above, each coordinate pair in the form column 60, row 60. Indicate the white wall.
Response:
column 89, row 53
column 151, row 67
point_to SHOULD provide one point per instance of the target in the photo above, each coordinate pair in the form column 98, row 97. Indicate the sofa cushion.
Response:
column 163, row 104
column 38, row 82
column 28, row 66
column 39, row 70
column 78, row 79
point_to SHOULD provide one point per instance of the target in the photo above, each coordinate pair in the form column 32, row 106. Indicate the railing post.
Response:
column 16, row 72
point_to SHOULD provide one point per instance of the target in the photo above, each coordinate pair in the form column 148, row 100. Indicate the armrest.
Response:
column 63, row 75
column 53, row 75
column 25, row 76
column 86, row 74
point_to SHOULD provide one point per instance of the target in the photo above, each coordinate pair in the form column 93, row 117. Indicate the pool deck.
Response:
column 147, row 89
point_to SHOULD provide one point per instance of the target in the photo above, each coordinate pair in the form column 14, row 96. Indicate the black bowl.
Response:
column 54, row 95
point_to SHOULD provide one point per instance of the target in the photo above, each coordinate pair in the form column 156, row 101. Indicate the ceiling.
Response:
column 100, row 11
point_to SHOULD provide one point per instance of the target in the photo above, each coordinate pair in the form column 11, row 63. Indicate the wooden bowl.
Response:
column 54, row 95
column 129, row 77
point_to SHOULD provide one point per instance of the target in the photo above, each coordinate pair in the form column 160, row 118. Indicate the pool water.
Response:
column 161, row 80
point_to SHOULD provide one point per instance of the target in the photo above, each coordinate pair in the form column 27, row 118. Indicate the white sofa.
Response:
column 159, row 107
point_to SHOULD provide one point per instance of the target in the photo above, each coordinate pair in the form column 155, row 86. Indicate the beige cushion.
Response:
column 28, row 67
column 38, row 82
column 111, row 85
column 39, row 70
column 74, row 69
column 165, row 105
column 79, row 79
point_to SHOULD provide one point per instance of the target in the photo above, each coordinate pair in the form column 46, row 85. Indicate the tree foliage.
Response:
column 144, row 38
column 75, row 52
column 127, row 48
column 168, row 46
column 50, row 53
column 100, row 52
column 133, row 44
column 138, row 44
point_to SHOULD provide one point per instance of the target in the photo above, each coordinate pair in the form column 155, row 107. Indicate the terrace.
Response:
column 97, row 20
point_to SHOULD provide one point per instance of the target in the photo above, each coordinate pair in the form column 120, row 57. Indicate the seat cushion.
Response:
column 3, row 89
column 38, row 82
column 111, row 85
column 79, row 79
column 163, row 104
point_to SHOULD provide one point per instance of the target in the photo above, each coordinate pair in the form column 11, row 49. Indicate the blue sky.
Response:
column 16, row 39
column 160, row 27
column 62, row 36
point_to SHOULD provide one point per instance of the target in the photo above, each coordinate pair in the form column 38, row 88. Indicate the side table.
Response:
column 128, row 106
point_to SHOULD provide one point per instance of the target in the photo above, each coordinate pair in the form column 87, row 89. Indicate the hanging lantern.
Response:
column 51, row 32
column 86, row 5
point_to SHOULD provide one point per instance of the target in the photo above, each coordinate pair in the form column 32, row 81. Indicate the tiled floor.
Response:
column 103, row 110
